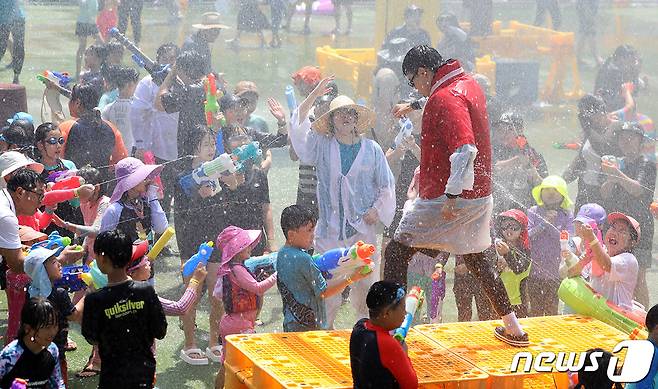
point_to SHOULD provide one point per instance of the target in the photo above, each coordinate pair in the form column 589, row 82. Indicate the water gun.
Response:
column 246, row 152
column 338, row 264
column 160, row 244
column 438, row 290
column 61, row 175
column 72, row 278
column 158, row 72
column 211, row 105
column 19, row 383
column 53, row 197
column 406, row 129
column 208, row 174
column 202, row 256
column 72, row 182
column 290, row 98
column 579, row 296
column 61, row 78
column 567, row 146
column 611, row 160
column 412, row 304
column 54, row 241
column 522, row 143
column 94, row 277
column 149, row 159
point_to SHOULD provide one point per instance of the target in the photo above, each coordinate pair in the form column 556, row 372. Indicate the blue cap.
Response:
column 21, row 115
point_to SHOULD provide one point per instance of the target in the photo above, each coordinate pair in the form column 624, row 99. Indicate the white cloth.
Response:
column 9, row 238
column 462, row 170
column 369, row 183
column 592, row 164
column 358, row 290
column 118, row 112
column 422, row 226
column 152, row 129
column 618, row 285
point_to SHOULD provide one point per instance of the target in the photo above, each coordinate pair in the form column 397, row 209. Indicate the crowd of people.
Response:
column 463, row 181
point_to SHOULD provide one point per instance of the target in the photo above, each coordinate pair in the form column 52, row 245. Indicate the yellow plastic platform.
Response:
column 320, row 359
column 474, row 341
column 445, row 356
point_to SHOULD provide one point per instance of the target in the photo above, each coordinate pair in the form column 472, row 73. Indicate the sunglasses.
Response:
column 54, row 141
column 411, row 82
column 511, row 226
column 40, row 194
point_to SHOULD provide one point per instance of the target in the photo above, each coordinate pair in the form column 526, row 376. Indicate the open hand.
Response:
column 400, row 110
column 371, row 217
column 276, row 109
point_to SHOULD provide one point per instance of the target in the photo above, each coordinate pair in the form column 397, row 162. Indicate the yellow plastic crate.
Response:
column 475, row 342
column 320, row 359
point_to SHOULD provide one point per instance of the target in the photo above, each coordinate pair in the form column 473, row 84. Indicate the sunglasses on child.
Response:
column 511, row 226
column 54, row 141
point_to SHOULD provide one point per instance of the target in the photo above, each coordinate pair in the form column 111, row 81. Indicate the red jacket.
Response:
column 455, row 115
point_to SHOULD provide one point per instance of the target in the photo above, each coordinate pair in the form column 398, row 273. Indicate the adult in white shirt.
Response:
column 156, row 130
column 620, row 266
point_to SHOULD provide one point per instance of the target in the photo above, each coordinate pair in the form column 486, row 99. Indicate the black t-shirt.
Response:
column 65, row 308
column 643, row 171
column 124, row 320
column 37, row 368
column 609, row 81
column 91, row 142
column 188, row 101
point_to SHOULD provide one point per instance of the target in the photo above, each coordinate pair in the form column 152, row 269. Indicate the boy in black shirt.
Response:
column 123, row 319
column 378, row 360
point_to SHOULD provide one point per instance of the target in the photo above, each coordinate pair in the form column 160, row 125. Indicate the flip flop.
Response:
column 70, row 345
column 88, row 369
column 185, row 356
column 512, row 340
column 210, row 353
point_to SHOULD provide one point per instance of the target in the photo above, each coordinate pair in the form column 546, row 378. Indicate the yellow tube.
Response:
column 160, row 244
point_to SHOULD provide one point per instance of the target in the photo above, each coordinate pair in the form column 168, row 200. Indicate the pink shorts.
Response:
column 236, row 323
column 16, row 284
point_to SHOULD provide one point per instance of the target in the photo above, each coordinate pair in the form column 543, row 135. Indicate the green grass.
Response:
column 51, row 44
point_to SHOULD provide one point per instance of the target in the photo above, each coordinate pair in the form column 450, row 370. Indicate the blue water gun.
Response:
column 72, row 278
column 202, row 256
column 61, row 78
column 412, row 304
column 54, row 241
column 290, row 98
column 208, row 174
column 342, row 262
column 246, row 152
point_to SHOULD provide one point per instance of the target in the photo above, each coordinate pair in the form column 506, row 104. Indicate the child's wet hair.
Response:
column 38, row 313
column 116, row 246
column 597, row 379
column 383, row 295
column 295, row 216
column 196, row 136
column 191, row 63
column 93, row 176
column 651, row 320
column 164, row 48
column 114, row 47
column 87, row 94
column 99, row 51
column 124, row 76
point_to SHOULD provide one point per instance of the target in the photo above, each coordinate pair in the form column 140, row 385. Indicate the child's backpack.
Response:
column 237, row 299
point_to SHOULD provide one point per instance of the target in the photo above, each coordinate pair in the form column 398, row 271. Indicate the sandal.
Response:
column 211, row 353
column 186, row 356
column 70, row 345
column 88, row 371
column 512, row 340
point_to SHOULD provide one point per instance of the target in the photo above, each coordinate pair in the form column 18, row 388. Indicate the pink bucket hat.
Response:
column 129, row 173
column 233, row 240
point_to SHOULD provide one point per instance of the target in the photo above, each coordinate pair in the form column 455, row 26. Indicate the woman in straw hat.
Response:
column 356, row 189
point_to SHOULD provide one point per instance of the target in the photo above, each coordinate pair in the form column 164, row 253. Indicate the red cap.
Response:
column 631, row 221
column 308, row 74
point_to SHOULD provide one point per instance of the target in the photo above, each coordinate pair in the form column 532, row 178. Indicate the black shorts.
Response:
column 85, row 29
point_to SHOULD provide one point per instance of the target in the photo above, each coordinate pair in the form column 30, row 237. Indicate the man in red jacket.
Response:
column 453, row 210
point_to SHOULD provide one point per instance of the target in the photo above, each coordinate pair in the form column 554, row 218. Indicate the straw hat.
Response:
column 366, row 119
column 209, row 21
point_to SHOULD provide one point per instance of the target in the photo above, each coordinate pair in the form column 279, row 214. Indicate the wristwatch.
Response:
column 451, row 196
column 415, row 105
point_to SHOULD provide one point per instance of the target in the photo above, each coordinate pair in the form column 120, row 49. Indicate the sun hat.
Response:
column 138, row 258
column 129, row 173
column 28, row 234
column 521, row 218
column 591, row 212
column 11, row 161
column 554, row 182
column 309, row 75
column 366, row 117
column 613, row 217
column 231, row 241
column 209, row 21
column 23, row 116
column 33, row 266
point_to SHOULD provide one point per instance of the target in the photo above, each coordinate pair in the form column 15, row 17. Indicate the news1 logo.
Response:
column 636, row 365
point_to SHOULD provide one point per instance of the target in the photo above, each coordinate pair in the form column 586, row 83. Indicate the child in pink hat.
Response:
column 237, row 287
